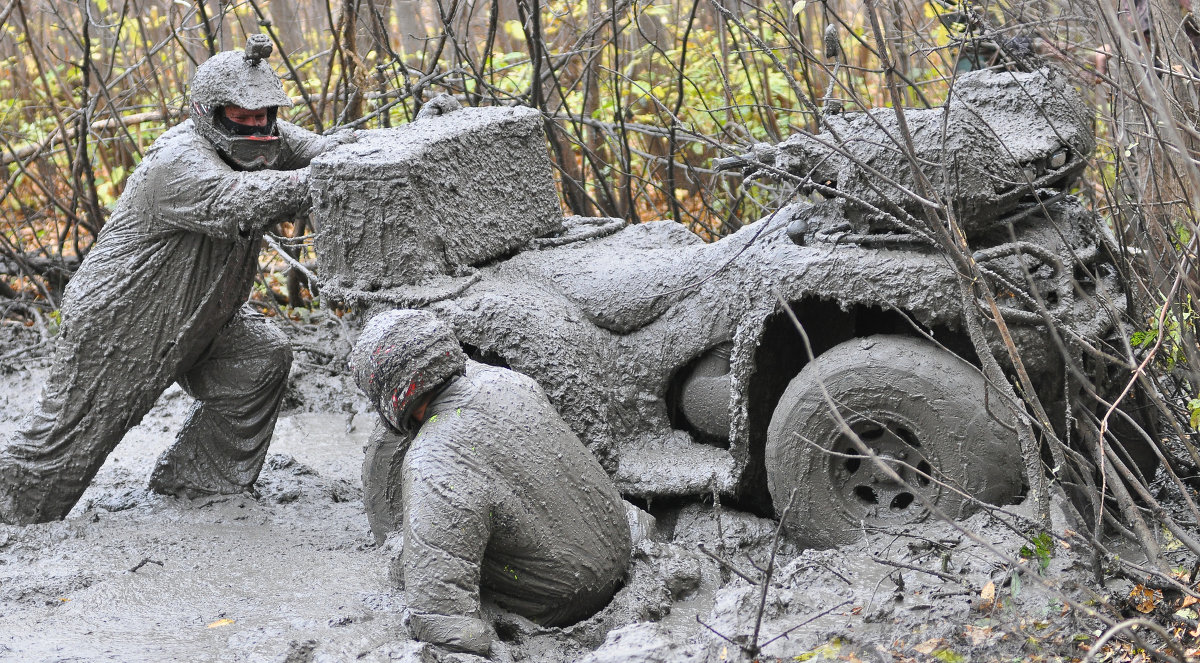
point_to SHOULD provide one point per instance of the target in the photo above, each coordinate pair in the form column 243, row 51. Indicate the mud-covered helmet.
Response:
column 239, row 78
column 401, row 357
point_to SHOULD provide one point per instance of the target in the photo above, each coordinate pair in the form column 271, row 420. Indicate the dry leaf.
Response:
column 930, row 646
column 220, row 622
column 1189, row 600
column 988, row 597
column 978, row 635
column 1145, row 598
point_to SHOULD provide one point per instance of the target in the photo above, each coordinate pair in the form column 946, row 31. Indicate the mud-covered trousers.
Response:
column 93, row 398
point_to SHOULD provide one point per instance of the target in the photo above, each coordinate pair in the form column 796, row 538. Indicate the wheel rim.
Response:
column 865, row 491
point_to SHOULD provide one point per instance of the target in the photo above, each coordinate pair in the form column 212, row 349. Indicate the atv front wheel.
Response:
column 924, row 412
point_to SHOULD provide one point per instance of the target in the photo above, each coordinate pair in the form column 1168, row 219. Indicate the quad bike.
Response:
column 693, row 368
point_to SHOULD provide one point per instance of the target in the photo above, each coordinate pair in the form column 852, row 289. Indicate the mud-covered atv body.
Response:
column 677, row 361
column 1001, row 137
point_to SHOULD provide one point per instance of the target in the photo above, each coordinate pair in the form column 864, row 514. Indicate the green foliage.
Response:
column 1172, row 353
column 666, row 64
column 1043, row 550
column 54, row 322
column 949, row 656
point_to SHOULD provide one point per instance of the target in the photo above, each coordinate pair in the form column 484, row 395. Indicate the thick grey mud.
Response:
column 292, row 572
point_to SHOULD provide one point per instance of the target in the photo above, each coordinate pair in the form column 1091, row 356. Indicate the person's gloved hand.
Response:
column 303, row 192
column 305, row 203
column 344, row 136
column 287, row 189
column 439, row 105
column 454, row 632
column 299, row 196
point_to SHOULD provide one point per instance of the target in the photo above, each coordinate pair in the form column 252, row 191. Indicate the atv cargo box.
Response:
column 421, row 203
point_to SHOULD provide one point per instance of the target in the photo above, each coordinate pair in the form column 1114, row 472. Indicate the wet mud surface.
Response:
column 131, row 575
column 292, row 573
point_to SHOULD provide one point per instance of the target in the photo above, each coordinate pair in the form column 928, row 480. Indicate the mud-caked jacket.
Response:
column 179, row 254
column 499, row 493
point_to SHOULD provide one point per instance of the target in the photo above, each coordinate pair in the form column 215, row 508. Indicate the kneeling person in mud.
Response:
column 489, row 487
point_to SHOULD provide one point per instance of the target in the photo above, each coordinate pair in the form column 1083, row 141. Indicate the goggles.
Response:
column 253, row 152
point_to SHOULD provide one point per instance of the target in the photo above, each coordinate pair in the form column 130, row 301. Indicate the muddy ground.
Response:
column 291, row 572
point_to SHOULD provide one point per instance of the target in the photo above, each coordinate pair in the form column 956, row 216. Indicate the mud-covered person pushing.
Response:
column 160, row 299
column 488, row 486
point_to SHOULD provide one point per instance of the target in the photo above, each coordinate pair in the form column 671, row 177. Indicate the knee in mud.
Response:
column 281, row 356
column 275, row 363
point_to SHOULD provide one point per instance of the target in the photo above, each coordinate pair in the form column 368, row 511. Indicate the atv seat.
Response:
column 625, row 281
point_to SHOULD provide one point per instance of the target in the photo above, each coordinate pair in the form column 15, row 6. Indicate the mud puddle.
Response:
column 134, row 576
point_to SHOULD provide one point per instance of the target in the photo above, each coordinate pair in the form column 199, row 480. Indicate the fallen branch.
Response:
column 24, row 350
column 735, row 570
column 38, row 265
column 145, row 561
column 805, row 623
column 913, row 567
column 56, row 137
column 273, row 242
column 1129, row 625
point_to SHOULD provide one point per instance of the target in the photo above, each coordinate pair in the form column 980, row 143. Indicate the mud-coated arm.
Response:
column 750, row 162
column 446, row 529
column 194, row 191
column 300, row 146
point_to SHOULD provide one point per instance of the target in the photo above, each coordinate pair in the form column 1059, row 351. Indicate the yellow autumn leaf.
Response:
column 799, row 6
column 987, row 597
column 220, row 622
column 1144, row 597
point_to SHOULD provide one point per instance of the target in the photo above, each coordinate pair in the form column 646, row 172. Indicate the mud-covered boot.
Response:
column 166, row 480
column 207, row 460
column 185, row 471
column 23, row 498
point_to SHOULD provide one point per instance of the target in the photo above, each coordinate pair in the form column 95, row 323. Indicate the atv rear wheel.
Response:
column 924, row 412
